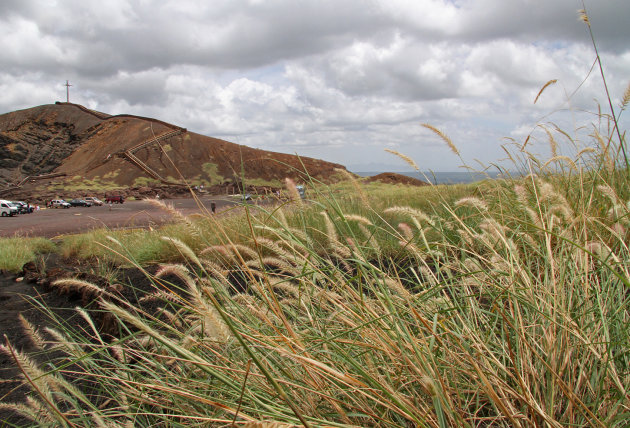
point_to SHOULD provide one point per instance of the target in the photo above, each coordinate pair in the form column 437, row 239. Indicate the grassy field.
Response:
column 502, row 303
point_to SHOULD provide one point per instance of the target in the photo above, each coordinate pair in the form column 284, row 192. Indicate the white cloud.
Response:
column 339, row 80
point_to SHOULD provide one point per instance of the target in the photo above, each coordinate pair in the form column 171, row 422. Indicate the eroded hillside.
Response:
column 69, row 144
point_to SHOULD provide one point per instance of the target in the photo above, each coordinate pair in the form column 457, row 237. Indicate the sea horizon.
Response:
column 440, row 177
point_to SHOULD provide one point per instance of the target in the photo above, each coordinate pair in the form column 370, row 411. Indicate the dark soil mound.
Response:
column 393, row 178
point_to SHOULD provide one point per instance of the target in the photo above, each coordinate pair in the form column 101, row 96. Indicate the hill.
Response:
column 66, row 145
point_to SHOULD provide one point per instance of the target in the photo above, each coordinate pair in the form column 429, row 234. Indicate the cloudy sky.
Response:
column 340, row 80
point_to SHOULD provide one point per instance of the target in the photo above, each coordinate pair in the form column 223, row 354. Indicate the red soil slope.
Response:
column 73, row 142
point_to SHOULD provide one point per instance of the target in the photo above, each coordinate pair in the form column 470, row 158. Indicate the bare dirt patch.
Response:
column 52, row 222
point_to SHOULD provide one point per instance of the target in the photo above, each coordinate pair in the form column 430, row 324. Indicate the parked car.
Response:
column 59, row 203
column 94, row 200
column 114, row 199
column 7, row 209
column 23, row 207
column 79, row 203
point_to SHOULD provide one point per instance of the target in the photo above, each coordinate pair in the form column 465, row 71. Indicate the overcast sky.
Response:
column 340, row 80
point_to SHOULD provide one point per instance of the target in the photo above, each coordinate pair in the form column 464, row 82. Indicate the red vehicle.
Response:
column 114, row 199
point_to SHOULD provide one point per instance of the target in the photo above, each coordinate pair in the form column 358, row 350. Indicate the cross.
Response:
column 67, row 85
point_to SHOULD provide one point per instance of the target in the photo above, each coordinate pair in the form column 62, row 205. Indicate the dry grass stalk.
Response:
column 561, row 158
column 357, row 218
column 443, row 136
column 292, row 190
column 169, row 208
column 414, row 213
column 184, row 250
column 32, row 332
column 331, row 231
column 406, row 230
column 472, row 202
column 553, row 144
column 71, row 284
column 626, row 97
column 584, row 17
column 549, row 83
column 405, row 158
column 181, row 272
column 604, row 150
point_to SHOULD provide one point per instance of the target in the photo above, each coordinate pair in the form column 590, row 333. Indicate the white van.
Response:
column 7, row 209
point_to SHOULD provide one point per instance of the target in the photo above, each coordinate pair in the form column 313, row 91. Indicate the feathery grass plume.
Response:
column 406, row 230
column 331, row 231
column 626, row 97
column 467, row 237
column 471, row 201
column 160, row 295
column 42, row 416
column 429, row 275
column 356, row 185
column 118, row 352
column 553, row 144
column 584, row 17
column 561, row 158
column 405, row 158
column 279, row 263
column 41, row 382
column 217, row 271
column 395, row 286
column 173, row 319
column 169, row 208
column 71, row 284
column 549, row 83
column 521, row 194
column 181, row 272
column 224, row 250
column 548, row 193
column 607, row 191
column 244, row 251
column 183, row 249
column 281, row 284
column 292, row 190
column 63, row 343
column 295, row 240
column 357, row 218
column 32, row 333
column 443, row 136
column 88, row 319
column 41, row 412
column 604, row 150
column 212, row 326
column 412, row 212
column 287, row 256
column 584, row 151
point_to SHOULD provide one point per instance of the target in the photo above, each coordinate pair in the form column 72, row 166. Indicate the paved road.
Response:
column 58, row 221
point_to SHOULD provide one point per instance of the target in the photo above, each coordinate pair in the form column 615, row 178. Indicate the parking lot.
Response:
column 51, row 222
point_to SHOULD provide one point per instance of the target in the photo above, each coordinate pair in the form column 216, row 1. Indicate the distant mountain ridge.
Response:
column 65, row 141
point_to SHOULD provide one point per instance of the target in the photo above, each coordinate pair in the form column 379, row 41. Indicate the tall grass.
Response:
column 507, row 306
column 15, row 252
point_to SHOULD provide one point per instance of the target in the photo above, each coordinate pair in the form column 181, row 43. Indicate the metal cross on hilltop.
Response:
column 67, row 85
